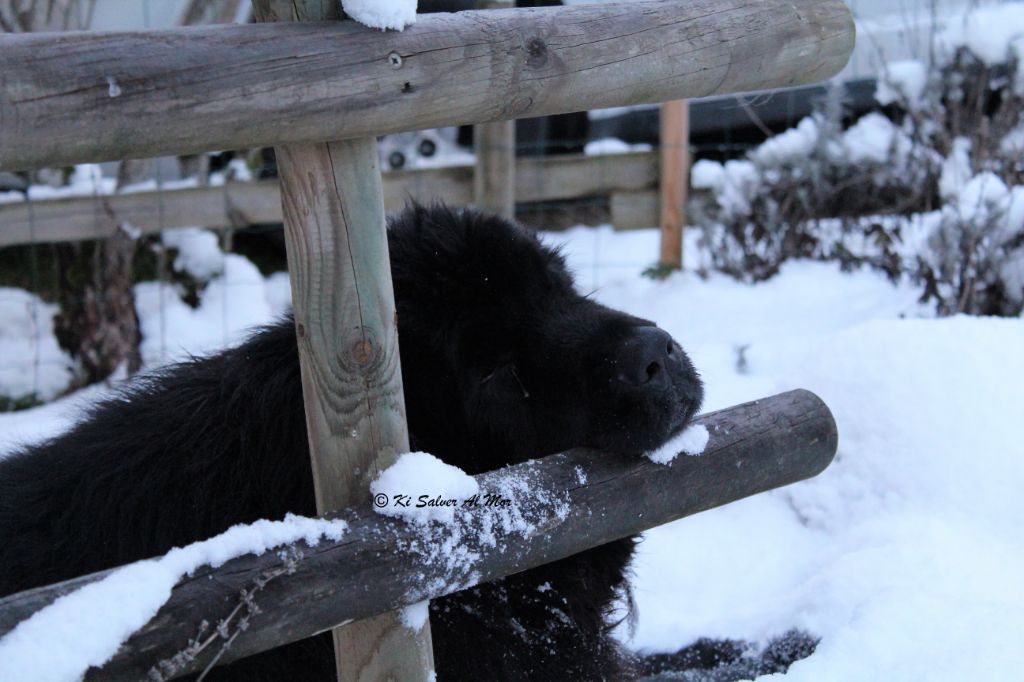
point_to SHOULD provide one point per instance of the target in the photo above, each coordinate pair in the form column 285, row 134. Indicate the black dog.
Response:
column 502, row 361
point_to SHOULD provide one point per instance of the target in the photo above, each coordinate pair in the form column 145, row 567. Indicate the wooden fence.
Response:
column 629, row 181
column 101, row 96
column 305, row 79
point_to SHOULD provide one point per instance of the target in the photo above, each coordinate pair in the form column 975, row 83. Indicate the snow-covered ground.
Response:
column 904, row 556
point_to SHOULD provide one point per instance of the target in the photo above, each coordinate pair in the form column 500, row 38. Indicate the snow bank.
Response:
column 86, row 627
column 902, row 83
column 903, row 555
column 872, row 139
column 956, row 169
column 735, row 183
column 789, row 146
column 31, row 360
column 199, row 253
column 382, row 14
column 983, row 199
column 232, row 304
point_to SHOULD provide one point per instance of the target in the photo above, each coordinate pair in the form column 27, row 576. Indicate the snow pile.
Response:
column 31, row 361
column 85, row 180
column 734, row 184
column 900, row 553
column 984, row 198
column 903, row 556
column 956, row 168
column 278, row 292
column 613, row 145
column 199, row 253
column 90, row 623
column 235, row 299
column 752, row 204
column 789, row 146
column 432, row 489
column 874, row 140
column 415, row 616
column 382, row 14
column 691, row 441
column 903, row 82
column 988, row 213
column 994, row 33
column 1012, row 143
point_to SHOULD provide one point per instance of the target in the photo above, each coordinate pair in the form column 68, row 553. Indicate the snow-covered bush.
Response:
column 764, row 209
column 975, row 257
column 931, row 186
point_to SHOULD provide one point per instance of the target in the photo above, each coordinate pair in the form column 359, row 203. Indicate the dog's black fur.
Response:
column 502, row 361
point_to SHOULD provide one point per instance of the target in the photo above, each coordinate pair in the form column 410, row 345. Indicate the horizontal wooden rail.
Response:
column 571, row 502
column 73, row 97
column 247, row 203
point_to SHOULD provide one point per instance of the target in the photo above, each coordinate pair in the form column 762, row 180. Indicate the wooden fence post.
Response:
column 494, row 179
column 333, row 205
column 675, row 180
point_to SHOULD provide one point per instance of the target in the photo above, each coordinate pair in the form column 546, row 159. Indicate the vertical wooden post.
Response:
column 333, row 206
column 675, row 180
column 494, row 178
column 205, row 12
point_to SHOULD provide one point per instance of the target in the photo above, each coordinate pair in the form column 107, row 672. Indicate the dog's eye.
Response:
column 509, row 369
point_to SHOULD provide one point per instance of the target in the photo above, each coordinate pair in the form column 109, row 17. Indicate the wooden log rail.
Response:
column 571, row 502
column 75, row 97
column 93, row 217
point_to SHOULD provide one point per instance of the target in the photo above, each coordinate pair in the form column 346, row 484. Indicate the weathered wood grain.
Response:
column 344, row 306
column 233, row 204
column 494, row 181
column 495, row 147
column 675, row 180
column 577, row 500
column 98, row 96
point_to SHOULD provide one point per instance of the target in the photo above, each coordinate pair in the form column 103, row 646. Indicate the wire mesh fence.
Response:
column 204, row 240
column 199, row 286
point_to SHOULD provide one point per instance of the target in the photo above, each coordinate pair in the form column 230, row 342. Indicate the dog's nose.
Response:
column 644, row 358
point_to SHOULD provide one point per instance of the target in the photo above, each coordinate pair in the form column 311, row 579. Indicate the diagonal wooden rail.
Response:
column 74, row 97
column 566, row 503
